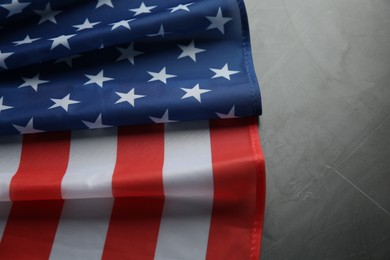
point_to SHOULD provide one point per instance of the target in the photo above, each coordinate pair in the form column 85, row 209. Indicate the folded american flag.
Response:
column 147, row 186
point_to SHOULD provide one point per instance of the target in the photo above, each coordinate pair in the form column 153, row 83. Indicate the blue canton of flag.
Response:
column 70, row 64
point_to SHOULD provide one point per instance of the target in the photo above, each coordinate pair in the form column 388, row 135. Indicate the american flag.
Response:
column 174, row 168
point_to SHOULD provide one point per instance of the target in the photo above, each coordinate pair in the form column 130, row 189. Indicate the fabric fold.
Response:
column 124, row 162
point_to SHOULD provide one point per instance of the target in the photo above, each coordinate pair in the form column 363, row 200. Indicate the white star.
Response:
column 230, row 114
column 160, row 32
column 15, row 7
column 128, row 53
column 26, row 40
column 189, row 51
column 86, row 25
column 180, row 7
column 98, row 79
column 61, row 40
column 223, row 72
column 123, row 23
column 68, row 60
column 163, row 119
column 48, row 14
column 97, row 124
column 194, row 92
column 3, row 107
column 142, row 9
column 218, row 21
column 3, row 56
column 32, row 82
column 128, row 97
column 64, row 102
column 104, row 2
column 161, row 76
column 28, row 129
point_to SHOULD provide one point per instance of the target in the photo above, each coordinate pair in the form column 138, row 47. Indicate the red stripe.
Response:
column 138, row 189
column 42, row 165
column 31, row 226
column 30, row 229
column 239, row 190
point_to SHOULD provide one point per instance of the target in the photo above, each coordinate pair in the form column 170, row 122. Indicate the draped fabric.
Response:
column 128, row 130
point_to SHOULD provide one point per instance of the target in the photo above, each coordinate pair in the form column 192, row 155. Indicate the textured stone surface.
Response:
column 324, row 69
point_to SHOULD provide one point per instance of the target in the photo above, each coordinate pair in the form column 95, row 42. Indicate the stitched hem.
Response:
column 257, row 108
column 258, row 220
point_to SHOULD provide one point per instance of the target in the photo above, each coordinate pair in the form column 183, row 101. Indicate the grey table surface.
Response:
column 324, row 70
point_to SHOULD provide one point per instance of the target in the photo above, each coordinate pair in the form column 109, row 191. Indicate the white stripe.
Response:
column 10, row 150
column 83, row 226
column 5, row 207
column 91, row 164
column 82, row 230
column 188, row 190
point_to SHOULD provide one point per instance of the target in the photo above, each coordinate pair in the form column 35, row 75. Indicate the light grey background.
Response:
column 324, row 70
